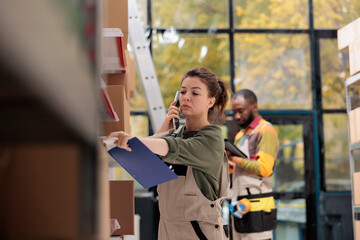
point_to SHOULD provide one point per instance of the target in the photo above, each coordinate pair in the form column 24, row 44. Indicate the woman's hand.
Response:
column 122, row 139
column 236, row 160
column 167, row 124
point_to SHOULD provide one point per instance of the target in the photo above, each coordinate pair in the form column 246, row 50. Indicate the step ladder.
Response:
column 145, row 67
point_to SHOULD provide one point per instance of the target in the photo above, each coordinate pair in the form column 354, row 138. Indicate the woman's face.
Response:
column 194, row 100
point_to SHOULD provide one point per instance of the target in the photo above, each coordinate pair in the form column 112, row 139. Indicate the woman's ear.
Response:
column 212, row 102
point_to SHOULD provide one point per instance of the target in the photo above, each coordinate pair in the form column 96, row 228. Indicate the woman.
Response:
column 190, row 206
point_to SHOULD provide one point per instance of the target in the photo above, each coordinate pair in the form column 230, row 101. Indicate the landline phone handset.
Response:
column 176, row 122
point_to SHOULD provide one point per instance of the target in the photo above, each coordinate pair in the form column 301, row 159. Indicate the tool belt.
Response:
column 261, row 217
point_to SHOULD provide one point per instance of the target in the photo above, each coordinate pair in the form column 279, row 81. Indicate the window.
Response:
column 334, row 71
column 196, row 50
column 337, row 169
column 335, row 14
column 277, row 48
column 281, row 14
column 203, row 14
column 276, row 67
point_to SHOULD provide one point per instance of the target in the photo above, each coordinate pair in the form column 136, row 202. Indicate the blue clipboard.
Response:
column 142, row 164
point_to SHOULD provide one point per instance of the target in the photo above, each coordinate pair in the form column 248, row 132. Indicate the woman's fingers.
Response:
column 173, row 115
column 123, row 143
column 122, row 139
column 173, row 103
column 112, row 136
column 231, row 164
column 173, row 110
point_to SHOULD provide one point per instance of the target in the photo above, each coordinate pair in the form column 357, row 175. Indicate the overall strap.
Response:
column 179, row 169
column 177, row 131
column 198, row 231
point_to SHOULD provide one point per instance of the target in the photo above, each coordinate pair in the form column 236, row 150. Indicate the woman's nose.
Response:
column 186, row 97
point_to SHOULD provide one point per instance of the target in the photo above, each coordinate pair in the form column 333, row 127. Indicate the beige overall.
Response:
column 244, row 182
column 185, row 214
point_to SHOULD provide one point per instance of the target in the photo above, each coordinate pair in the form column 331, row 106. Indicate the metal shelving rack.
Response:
column 353, row 81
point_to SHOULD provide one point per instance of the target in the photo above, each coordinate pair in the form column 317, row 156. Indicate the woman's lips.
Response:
column 185, row 106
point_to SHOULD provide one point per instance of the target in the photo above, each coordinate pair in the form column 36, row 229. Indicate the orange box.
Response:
column 356, row 188
column 122, row 206
column 116, row 16
column 122, row 108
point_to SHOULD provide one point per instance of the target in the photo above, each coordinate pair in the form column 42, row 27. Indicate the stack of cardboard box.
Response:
column 349, row 38
column 120, row 85
column 120, row 88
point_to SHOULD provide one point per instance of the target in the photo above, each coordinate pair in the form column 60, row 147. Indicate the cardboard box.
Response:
column 121, row 79
column 116, row 16
column 40, row 191
column 349, row 36
column 126, row 79
column 113, row 60
column 352, row 127
column 354, row 56
column 357, row 226
column 357, row 124
column 130, row 73
column 104, row 192
column 356, row 188
column 348, row 33
column 122, row 205
column 122, row 108
column 116, row 79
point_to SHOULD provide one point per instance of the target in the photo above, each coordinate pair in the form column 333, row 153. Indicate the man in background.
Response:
column 251, row 178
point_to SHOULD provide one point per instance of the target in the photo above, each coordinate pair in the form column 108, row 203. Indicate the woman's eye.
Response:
column 182, row 92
